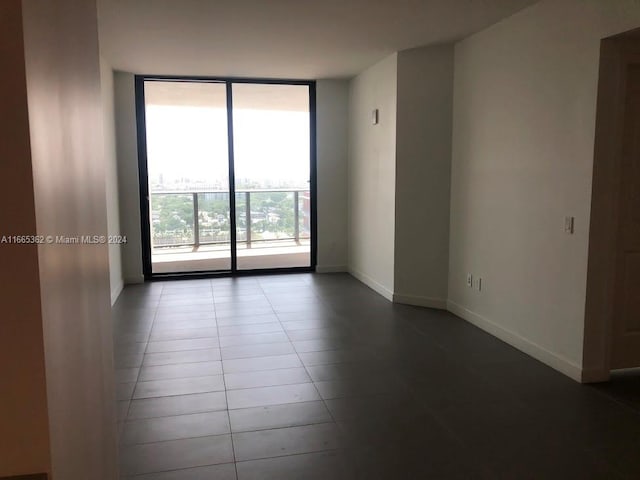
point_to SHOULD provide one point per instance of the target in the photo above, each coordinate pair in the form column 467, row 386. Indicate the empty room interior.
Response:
column 340, row 239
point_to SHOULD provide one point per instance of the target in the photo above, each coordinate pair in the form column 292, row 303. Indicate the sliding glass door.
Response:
column 225, row 175
column 272, row 175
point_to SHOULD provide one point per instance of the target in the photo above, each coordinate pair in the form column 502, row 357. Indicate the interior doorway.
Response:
column 227, row 175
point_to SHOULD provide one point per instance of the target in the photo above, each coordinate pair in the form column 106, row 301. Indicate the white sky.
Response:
column 191, row 142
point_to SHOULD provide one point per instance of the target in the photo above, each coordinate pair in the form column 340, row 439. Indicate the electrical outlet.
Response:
column 479, row 284
column 469, row 280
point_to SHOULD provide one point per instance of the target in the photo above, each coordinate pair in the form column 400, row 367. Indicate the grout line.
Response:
column 224, row 384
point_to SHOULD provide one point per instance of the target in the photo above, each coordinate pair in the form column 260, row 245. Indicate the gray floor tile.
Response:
column 180, row 345
column 178, row 386
column 183, row 333
column 310, row 466
column 177, row 405
column 259, row 350
column 180, row 370
column 275, row 337
column 416, row 393
column 337, row 356
column 260, row 363
column 173, row 428
column 226, row 471
column 186, row 356
column 286, row 441
column 285, row 376
column 176, row 454
column 278, row 416
column 262, row 396
column 251, row 329
column 248, row 319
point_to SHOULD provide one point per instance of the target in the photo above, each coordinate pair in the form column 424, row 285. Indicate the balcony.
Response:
column 191, row 230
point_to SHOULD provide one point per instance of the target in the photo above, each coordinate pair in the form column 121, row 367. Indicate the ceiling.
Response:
column 305, row 39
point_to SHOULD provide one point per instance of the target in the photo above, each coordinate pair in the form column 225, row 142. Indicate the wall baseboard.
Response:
column 372, row 284
column 419, row 301
column 555, row 361
column 115, row 293
column 331, row 268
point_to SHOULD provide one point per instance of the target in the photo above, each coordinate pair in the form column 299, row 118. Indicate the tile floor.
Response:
column 317, row 377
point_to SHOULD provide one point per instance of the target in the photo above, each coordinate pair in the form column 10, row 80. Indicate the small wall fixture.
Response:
column 375, row 117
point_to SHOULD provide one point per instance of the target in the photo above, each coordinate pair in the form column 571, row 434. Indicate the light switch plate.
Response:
column 569, row 225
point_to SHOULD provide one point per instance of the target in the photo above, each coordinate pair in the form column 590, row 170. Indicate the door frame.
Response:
column 615, row 54
column 143, row 175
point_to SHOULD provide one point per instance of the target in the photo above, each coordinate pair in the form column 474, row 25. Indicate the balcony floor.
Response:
column 285, row 254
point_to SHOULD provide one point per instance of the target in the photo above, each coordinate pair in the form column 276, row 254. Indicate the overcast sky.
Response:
column 191, row 142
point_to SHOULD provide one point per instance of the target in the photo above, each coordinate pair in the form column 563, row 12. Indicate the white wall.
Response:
column 111, row 178
column 127, row 150
column 332, row 101
column 423, row 166
column 67, row 157
column 524, row 119
column 24, row 422
column 371, row 176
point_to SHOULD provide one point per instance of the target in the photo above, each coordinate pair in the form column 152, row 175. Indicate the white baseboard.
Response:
column 418, row 301
column 331, row 268
column 115, row 293
column 372, row 284
column 555, row 361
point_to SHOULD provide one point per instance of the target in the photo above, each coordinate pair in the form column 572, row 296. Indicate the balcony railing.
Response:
column 196, row 218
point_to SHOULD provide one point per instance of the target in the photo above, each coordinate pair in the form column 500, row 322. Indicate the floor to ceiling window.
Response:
column 226, row 175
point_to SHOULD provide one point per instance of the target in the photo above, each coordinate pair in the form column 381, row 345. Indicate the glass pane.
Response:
column 272, row 172
column 187, row 160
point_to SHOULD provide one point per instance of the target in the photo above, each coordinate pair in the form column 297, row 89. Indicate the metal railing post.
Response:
column 196, row 222
column 247, row 203
column 296, row 216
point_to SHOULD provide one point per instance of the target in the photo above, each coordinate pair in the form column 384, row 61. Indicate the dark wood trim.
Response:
column 615, row 54
column 35, row 476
